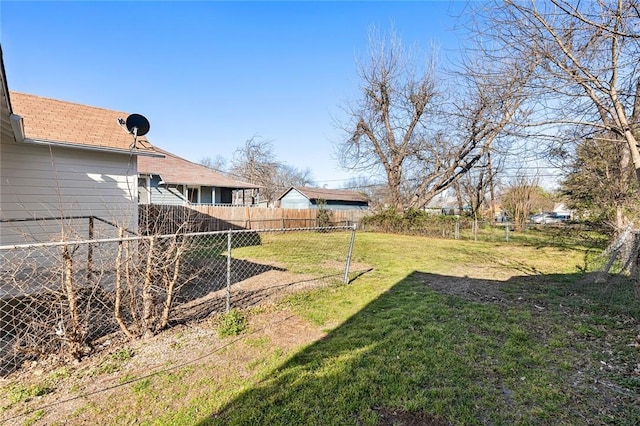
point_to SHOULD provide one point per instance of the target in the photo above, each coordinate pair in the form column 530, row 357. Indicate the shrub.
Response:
column 412, row 220
column 324, row 216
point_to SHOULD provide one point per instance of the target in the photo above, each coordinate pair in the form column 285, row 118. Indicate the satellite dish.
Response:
column 138, row 125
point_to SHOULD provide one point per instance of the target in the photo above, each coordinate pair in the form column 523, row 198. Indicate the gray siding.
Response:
column 295, row 200
column 173, row 195
column 144, row 192
column 40, row 181
column 166, row 194
column 345, row 205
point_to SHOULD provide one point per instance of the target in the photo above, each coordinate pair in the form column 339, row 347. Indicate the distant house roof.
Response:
column 176, row 170
column 69, row 124
column 328, row 194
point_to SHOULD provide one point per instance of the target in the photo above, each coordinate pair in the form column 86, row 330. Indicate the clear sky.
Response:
column 209, row 75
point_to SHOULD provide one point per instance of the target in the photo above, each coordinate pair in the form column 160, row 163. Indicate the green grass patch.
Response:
column 141, row 386
column 232, row 323
column 465, row 332
column 34, row 417
column 16, row 393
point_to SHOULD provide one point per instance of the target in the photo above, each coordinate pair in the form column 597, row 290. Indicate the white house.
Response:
column 67, row 171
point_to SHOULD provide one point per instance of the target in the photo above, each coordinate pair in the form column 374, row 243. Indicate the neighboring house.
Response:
column 443, row 204
column 64, row 168
column 561, row 209
column 172, row 180
column 332, row 199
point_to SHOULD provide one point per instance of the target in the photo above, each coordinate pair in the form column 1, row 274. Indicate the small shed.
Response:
column 333, row 199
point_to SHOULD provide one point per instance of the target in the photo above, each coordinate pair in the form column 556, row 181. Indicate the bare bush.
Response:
column 60, row 300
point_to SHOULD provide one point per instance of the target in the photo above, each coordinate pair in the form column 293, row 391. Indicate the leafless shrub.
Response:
column 59, row 300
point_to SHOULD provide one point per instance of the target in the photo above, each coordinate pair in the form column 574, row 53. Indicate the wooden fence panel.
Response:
column 270, row 218
column 161, row 219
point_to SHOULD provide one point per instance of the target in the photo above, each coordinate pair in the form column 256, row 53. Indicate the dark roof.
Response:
column 176, row 170
column 52, row 120
column 328, row 194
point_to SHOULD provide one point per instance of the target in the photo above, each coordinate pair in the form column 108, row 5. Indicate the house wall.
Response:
column 345, row 205
column 51, row 182
column 144, row 190
column 166, row 194
column 295, row 200
column 173, row 195
column 6, row 132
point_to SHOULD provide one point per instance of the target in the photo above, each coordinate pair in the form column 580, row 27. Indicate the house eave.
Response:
column 90, row 147
column 17, row 125
column 213, row 185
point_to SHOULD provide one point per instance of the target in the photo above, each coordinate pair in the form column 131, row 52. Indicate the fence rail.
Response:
column 54, row 299
column 156, row 218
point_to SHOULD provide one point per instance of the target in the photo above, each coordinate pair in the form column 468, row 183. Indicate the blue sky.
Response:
column 209, row 75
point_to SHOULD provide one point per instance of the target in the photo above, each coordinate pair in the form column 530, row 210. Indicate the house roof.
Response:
column 66, row 123
column 176, row 170
column 328, row 194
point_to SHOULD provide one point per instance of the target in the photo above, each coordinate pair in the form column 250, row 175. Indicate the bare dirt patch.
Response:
column 190, row 350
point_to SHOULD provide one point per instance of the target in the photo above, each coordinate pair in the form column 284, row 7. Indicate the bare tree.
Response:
column 586, row 63
column 376, row 192
column 472, row 190
column 476, row 124
column 255, row 162
column 218, row 163
column 388, row 121
column 287, row 176
column 522, row 197
column 423, row 151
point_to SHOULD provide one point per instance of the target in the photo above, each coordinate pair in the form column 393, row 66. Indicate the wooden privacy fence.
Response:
column 269, row 218
column 154, row 219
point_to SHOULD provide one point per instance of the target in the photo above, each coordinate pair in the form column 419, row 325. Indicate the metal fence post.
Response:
column 90, row 250
column 506, row 231
column 229, row 270
column 348, row 264
column 475, row 229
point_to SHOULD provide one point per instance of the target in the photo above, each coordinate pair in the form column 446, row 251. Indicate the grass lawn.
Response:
column 437, row 332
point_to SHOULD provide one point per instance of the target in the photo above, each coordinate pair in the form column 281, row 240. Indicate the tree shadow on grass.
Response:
column 437, row 350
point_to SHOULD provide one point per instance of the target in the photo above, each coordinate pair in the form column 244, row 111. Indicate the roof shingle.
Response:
column 176, row 170
column 329, row 194
column 56, row 121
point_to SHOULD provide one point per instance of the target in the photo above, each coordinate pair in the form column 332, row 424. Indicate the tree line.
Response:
column 554, row 81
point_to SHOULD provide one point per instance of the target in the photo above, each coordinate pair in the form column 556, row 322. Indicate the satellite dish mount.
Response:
column 137, row 125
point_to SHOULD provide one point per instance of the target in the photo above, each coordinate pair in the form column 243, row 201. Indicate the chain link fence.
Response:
column 622, row 256
column 467, row 229
column 61, row 299
column 443, row 227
